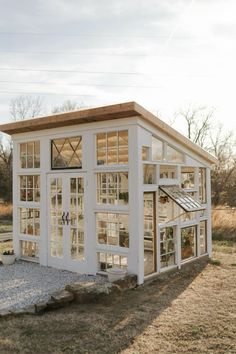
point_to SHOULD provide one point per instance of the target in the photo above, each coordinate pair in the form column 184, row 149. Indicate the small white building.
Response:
column 109, row 186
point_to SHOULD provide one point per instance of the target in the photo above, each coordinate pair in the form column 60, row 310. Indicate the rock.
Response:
column 40, row 307
column 62, row 297
column 51, row 305
column 17, row 312
column 128, row 282
column 93, row 292
column 4, row 313
column 30, row 310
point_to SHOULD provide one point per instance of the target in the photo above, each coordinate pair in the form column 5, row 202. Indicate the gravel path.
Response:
column 26, row 283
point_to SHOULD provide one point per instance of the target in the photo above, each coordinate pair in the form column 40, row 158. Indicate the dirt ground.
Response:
column 193, row 311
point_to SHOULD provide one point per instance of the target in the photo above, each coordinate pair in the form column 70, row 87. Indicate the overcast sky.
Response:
column 164, row 54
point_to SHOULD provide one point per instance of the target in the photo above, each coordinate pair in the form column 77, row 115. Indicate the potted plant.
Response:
column 8, row 257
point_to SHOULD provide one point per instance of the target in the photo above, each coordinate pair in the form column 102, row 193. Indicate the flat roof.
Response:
column 110, row 112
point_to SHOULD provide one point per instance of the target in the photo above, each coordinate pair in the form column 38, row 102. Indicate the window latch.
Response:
column 67, row 218
column 62, row 218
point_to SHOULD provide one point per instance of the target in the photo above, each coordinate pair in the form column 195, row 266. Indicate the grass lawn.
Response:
column 189, row 312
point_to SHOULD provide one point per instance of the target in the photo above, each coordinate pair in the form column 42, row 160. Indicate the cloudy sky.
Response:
column 164, row 54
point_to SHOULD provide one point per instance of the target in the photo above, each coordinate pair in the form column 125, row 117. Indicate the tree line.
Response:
column 200, row 127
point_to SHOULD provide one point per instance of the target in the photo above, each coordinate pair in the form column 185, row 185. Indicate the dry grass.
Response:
column 193, row 311
column 224, row 224
column 5, row 212
column 5, row 218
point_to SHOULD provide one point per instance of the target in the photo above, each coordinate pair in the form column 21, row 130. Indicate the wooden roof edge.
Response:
column 114, row 111
column 167, row 129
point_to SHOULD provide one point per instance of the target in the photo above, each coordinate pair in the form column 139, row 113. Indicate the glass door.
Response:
column 149, row 210
column 76, row 219
column 66, row 227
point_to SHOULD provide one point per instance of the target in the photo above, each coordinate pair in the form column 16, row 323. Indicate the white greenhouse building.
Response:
column 107, row 187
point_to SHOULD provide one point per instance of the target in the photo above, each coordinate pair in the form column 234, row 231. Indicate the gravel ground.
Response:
column 26, row 283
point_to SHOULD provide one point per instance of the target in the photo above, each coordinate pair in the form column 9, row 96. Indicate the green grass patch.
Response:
column 215, row 262
column 226, row 246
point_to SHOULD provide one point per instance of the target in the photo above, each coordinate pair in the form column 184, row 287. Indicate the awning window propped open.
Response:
column 182, row 198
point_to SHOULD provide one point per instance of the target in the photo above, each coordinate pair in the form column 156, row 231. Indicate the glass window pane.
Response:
column 67, row 152
column 30, row 148
column 123, row 155
column 145, row 153
column 203, row 237
column 149, row 174
column 187, row 177
column 123, row 138
column 202, row 185
column 174, row 155
column 188, row 242
column 167, row 171
column 29, row 249
column 30, row 154
column 112, row 148
column 157, row 149
column 101, row 141
column 112, row 140
column 182, row 198
column 101, row 157
column 108, row 260
column 112, row 157
column 112, row 229
column 30, row 221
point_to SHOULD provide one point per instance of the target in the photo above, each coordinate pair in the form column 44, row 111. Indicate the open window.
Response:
column 182, row 198
column 187, row 177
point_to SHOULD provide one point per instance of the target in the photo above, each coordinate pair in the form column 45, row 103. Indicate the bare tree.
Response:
column 23, row 107
column 199, row 122
column 223, row 174
column 202, row 129
column 67, row 106
column 6, row 169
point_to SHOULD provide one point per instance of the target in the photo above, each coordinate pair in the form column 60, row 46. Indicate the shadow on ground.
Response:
column 96, row 328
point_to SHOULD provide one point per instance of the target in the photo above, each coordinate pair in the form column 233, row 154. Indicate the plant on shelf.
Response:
column 8, row 257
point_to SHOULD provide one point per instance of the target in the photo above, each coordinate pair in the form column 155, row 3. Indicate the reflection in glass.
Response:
column 110, row 260
column 30, row 154
column 188, row 242
column 174, row 155
column 149, row 174
column 30, row 221
column 167, row 247
column 168, row 171
column 30, row 188
column 29, row 249
column 77, row 218
column 168, row 210
column 56, row 236
column 112, row 229
column 112, row 148
column 202, row 185
column 145, row 153
column 187, row 177
column 112, row 188
column 149, row 233
column 67, row 152
column 203, row 237
column 157, row 149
